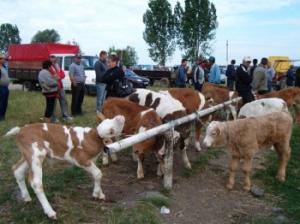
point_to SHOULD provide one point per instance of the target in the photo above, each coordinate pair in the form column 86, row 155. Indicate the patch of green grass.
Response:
column 289, row 191
column 202, row 162
column 158, row 202
column 144, row 212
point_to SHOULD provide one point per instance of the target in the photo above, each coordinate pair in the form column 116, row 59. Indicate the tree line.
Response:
column 190, row 27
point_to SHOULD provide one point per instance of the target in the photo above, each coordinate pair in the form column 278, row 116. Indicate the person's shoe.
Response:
column 55, row 121
column 67, row 119
column 2, row 119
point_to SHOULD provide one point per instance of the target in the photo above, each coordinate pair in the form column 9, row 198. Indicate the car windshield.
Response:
column 87, row 61
column 130, row 73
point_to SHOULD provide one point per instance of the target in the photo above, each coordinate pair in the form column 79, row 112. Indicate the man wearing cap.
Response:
column 243, row 81
column 4, row 82
column 77, row 77
column 214, row 72
column 260, row 77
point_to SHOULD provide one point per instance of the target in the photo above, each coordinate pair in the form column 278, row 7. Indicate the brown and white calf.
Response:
column 192, row 101
column 76, row 145
column 168, row 109
column 245, row 137
column 290, row 95
column 137, row 120
column 217, row 94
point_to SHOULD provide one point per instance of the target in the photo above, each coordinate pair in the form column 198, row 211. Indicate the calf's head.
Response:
column 215, row 134
column 110, row 128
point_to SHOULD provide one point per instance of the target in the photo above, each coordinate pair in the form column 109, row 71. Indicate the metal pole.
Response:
column 128, row 142
column 227, row 45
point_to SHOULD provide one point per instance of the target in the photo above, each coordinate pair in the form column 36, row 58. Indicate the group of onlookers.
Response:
column 203, row 70
column 246, row 79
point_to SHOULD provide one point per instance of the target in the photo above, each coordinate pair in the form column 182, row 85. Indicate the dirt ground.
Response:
column 194, row 200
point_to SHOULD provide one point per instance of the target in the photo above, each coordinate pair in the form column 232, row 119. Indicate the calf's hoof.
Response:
column 52, row 215
column 105, row 160
column 114, row 157
column 198, row 146
column 247, row 188
column 27, row 199
column 99, row 196
column 280, row 178
column 229, row 186
column 140, row 176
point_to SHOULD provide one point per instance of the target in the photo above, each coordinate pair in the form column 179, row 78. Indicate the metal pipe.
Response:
column 132, row 140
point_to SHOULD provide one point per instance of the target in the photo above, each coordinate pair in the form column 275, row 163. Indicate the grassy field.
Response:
column 289, row 191
column 69, row 189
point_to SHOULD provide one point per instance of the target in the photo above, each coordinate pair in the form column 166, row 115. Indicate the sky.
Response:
column 254, row 28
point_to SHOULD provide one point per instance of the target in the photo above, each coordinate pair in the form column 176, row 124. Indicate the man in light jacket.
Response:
column 260, row 78
column 214, row 72
column 198, row 76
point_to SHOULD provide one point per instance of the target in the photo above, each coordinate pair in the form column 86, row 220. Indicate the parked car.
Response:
column 136, row 80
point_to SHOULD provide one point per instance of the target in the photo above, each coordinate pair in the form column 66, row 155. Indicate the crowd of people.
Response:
column 248, row 79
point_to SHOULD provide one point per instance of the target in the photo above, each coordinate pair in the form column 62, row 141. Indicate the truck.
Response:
column 25, row 62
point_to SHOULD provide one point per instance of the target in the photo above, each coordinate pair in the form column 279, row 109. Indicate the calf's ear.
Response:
column 100, row 117
column 219, row 129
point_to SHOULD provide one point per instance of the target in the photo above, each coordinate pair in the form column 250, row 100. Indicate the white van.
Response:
column 65, row 60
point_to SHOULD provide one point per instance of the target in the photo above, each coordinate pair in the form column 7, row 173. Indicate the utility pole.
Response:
column 227, row 52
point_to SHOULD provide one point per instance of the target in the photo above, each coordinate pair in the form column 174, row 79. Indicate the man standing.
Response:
column 260, row 77
column 230, row 73
column 253, row 67
column 271, row 75
column 243, row 81
column 56, row 70
column 181, row 74
column 77, row 77
column 198, row 76
column 214, row 72
column 290, row 77
column 100, row 69
column 4, row 82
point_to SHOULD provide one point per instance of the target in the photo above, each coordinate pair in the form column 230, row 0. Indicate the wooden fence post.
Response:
column 168, row 160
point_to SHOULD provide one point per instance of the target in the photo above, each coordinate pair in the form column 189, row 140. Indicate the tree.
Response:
column 127, row 55
column 9, row 34
column 159, row 31
column 195, row 27
column 46, row 36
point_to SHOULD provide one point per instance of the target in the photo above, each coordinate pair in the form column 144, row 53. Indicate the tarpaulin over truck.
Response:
column 38, row 52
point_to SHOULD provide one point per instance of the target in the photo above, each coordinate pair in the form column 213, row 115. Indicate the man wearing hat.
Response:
column 260, row 77
column 77, row 77
column 4, row 82
column 243, row 81
column 214, row 72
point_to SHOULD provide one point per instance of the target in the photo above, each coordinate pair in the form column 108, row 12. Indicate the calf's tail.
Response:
column 13, row 131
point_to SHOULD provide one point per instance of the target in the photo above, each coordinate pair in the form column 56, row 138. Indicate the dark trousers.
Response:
column 77, row 98
column 198, row 86
column 3, row 101
column 247, row 96
column 262, row 92
column 230, row 84
column 50, row 102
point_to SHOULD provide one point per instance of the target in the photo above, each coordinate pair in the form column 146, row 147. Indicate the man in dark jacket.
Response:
column 253, row 67
column 100, row 69
column 112, row 76
column 230, row 73
column 290, row 77
column 4, row 82
column 243, row 81
column 181, row 77
column 297, row 81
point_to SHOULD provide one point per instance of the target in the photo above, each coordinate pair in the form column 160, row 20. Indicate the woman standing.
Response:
column 49, row 86
column 113, row 76
column 4, row 82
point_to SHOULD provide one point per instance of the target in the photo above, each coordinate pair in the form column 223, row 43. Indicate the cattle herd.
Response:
column 260, row 124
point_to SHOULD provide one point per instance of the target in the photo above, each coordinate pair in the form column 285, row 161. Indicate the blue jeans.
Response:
column 270, row 86
column 101, row 95
column 3, row 101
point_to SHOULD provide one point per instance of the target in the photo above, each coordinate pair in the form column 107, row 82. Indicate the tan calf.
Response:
column 76, row 145
column 246, row 136
column 137, row 119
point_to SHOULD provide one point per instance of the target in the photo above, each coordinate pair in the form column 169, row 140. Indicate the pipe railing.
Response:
column 168, row 130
